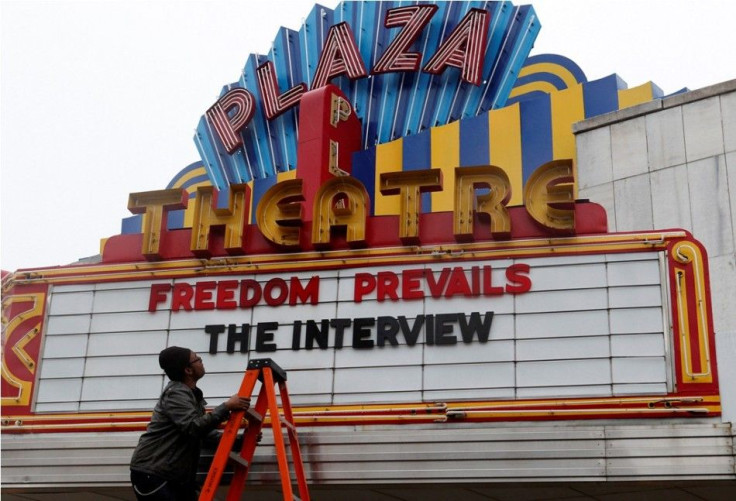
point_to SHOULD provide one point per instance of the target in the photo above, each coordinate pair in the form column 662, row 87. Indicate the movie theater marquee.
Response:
column 399, row 276
column 512, row 328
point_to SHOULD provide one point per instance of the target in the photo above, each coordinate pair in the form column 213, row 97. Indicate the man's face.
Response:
column 196, row 366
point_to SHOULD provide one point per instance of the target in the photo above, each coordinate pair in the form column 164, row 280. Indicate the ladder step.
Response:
column 287, row 423
column 253, row 416
column 237, row 458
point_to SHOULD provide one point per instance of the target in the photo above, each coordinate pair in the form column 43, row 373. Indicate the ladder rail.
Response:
column 248, row 448
column 296, row 454
column 227, row 440
column 278, row 436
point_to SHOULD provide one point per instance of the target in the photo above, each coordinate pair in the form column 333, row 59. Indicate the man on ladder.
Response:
column 164, row 464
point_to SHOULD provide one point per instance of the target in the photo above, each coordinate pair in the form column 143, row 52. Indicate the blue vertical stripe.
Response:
column 132, row 224
column 474, row 141
column 366, row 20
column 207, row 150
column 175, row 219
column 417, row 151
column 284, row 56
column 417, row 155
column 601, row 96
column 536, row 134
column 402, row 105
column 500, row 14
column 364, row 169
column 235, row 167
column 451, row 83
column 524, row 31
column 258, row 127
column 421, row 85
column 434, row 95
column 312, row 38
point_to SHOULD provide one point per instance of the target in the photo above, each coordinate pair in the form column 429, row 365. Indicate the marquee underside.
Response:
column 429, row 462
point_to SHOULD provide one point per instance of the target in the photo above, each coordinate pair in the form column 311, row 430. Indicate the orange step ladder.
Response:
column 269, row 374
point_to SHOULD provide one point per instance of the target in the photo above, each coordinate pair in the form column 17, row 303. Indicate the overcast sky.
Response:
column 99, row 99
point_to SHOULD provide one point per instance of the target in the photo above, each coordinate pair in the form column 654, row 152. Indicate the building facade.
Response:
column 533, row 296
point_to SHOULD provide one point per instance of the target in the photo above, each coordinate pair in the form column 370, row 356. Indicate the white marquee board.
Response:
column 590, row 325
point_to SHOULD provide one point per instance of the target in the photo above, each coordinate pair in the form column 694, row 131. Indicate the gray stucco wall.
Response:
column 671, row 163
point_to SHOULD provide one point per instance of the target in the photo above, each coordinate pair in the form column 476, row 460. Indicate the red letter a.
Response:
column 465, row 48
column 339, row 55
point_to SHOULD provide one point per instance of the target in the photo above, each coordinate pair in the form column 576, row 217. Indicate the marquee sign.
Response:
column 325, row 207
column 569, row 327
column 368, row 213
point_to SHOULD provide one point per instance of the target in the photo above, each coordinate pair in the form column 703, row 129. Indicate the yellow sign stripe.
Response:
column 504, row 128
column 389, row 158
column 567, row 109
column 445, row 156
column 539, row 86
column 689, row 254
column 636, row 95
column 416, row 412
column 199, row 171
column 555, row 69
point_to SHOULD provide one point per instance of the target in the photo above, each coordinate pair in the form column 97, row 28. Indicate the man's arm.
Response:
column 182, row 408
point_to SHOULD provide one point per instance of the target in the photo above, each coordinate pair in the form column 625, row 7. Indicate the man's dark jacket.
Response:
column 169, row 448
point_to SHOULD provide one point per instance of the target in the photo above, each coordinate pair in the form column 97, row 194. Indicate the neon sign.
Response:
column 464, row 49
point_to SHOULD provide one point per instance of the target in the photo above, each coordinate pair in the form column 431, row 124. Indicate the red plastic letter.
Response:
column 365, row 283
column 518, row 277
column 158, row 295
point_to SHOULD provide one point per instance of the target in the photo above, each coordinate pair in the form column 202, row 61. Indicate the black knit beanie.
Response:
column 173, row 360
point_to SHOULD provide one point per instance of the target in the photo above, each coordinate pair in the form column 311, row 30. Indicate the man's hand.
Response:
column 236, row 403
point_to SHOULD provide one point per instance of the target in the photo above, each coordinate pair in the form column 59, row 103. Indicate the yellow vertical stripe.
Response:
column 286, row 176
column 567, row 108
column 252, row 207
column 445, row 156
column 692, row 273
column 636, row 95
column 103, row 242
column 388, row 159
column 504, row 126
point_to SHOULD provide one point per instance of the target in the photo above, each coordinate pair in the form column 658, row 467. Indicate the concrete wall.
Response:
column 672, row 164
